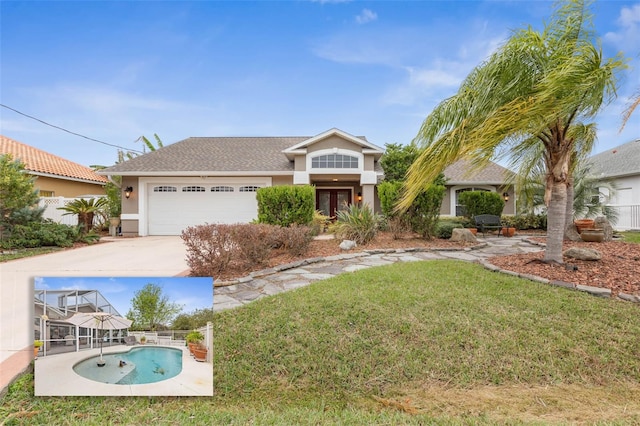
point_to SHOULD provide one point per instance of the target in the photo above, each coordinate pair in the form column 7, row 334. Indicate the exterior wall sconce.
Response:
column 359, row 196
column 505, row 195
column 127, row 191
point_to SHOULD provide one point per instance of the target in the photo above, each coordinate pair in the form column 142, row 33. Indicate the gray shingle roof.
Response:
column 493, row 174
column 623, row 160
column 219, row 154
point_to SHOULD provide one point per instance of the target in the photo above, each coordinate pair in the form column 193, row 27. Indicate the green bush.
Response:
column 425, row 211
column 476, row 203
column 359, row 224
column 41, row 234
column 524, row 222
column 445, row 229
column 286, row 204
column 389, row 194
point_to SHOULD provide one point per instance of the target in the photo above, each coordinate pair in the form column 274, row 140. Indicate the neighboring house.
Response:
column 214, row 179
column 55, row 176
column 621, row 167
column 490, row 178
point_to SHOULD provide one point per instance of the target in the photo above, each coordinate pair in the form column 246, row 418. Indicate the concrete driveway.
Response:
column 113, row 257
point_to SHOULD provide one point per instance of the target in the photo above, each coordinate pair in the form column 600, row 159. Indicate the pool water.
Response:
column 142, row 365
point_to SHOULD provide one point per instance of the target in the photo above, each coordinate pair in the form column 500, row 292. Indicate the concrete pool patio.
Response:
column 54, row 376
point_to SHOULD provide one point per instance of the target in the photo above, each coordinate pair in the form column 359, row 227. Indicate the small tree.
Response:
column 18, row 195
column 86, row 209
column 151, row 309
column 396, row 161
column 424, row 212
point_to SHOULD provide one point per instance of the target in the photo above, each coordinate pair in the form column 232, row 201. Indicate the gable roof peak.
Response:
column 358, row 140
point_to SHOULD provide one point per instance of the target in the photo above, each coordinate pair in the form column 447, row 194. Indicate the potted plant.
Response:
column 508, row 231
column 36, row 347
column 582, row 224
column 200, row 352
column 194, row 338
column 143, row 339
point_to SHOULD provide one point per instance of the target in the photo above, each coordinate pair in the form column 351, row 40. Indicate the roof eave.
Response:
column 200, row 173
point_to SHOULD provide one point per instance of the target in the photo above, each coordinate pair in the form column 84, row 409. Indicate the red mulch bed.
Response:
column 618, row 270
column 323, row 248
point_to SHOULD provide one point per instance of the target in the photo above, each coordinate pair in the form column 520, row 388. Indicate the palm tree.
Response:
column 529, row 100
column 627, row 112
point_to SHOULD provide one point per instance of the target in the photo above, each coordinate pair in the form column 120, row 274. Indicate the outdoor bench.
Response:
column 488, row 221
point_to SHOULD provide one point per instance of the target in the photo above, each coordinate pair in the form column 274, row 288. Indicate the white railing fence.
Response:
column 52, row 212
column 628, row 216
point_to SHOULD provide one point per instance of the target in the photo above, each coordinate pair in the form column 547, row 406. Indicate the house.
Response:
column 621, row 167
column 214, row 179
column 55, row 176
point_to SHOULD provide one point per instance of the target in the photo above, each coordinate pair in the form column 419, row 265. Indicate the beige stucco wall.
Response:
column 130, row 205
column 282, row 180
column 67, row 188
column 445, row 207
column 333, row 142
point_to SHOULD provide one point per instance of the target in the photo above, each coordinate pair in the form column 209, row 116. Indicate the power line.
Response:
column 69, row 131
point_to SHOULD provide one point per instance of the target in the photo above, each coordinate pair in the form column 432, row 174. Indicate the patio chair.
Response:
column 130, row 340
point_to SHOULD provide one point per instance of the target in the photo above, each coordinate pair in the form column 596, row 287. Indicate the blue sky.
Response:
column 114, row 71
column 190, row 292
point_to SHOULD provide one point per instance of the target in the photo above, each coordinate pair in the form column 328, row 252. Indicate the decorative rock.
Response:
column 582, row 253
column 603, row 223
column 571, row 233
column 462, row 234
column 347, row 245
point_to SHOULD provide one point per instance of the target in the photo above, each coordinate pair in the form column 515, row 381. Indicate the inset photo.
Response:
column 123, row 336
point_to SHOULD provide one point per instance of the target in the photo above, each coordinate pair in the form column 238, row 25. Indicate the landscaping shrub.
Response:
column 425, row 210
column 389, row 194
column 398, row 225
column 445, row 229
column 254, row 242
column 286, row 204
column 296, row 239
column 210, row 248
column 319, row 223
column 359, row 224
column 476, row 203
column 524, row 222
column 41, row 234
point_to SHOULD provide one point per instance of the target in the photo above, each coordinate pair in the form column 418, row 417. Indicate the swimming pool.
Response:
column 141, row 365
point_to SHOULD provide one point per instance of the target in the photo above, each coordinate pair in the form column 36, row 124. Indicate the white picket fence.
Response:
column 628, row 216
column 52, row 212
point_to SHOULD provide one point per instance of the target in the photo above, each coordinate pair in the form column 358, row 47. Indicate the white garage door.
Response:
column 174, row 207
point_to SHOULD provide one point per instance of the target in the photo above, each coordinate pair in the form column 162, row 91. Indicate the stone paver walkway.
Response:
column 276, row 280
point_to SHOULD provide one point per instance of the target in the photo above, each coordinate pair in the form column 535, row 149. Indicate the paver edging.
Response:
column 594, row 291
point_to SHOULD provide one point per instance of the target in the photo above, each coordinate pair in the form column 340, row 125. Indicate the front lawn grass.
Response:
column 410, row 343
column 631, row 237
column 28, row 252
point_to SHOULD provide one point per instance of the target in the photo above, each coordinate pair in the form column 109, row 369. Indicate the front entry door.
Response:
column 330, row 201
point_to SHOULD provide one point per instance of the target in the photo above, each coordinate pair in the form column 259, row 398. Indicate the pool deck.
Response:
column 54, row 376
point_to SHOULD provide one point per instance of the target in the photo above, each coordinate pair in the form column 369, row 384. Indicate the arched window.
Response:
column 334, row 161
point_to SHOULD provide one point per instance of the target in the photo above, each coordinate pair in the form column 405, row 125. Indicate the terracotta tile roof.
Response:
column 41, row 162
column 458, row 173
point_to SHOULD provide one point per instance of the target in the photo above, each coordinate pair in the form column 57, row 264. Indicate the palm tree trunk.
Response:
column 556, row 219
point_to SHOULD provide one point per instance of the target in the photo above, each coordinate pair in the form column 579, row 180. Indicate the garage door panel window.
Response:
column 165, row 189
column 249, row 188
column 193, row 189
column 222, row 189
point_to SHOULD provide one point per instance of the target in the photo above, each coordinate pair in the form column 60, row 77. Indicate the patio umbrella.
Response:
column 99, row 321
